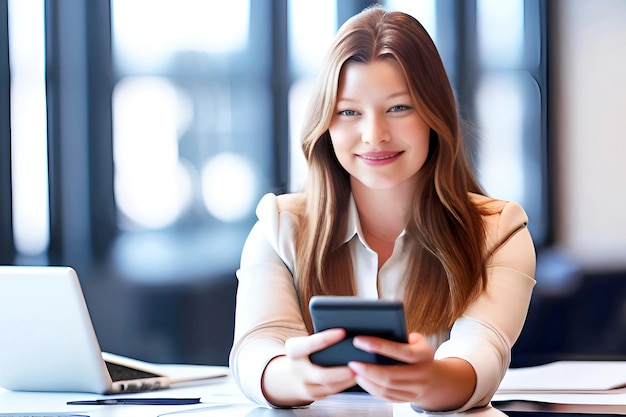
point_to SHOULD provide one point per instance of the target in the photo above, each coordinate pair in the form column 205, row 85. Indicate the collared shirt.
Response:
column 268, row 312
column 372, row 283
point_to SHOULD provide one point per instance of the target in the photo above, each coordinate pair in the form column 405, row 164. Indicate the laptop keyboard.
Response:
column 124, row 373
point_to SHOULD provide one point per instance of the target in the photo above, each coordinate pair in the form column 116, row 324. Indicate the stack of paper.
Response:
column 567, row 376
column 566, row 382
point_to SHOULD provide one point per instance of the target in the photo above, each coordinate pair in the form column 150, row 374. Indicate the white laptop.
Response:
column 48, row 342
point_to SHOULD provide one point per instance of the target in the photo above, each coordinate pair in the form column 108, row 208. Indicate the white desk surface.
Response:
column 219, row 397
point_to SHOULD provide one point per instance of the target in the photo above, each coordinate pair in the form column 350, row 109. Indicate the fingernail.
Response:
column 356, row 367
column 361, row 343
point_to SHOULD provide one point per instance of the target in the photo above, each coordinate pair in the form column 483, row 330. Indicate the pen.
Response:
column 137, row 401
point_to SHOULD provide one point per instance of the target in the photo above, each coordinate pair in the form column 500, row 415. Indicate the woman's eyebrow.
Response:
column 390, row 96
column 399, row 94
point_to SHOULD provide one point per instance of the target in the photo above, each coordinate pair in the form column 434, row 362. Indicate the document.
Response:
column 566, row 382
column 567, row 377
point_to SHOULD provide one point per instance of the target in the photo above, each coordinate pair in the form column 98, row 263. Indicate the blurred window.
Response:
column 28, row 127
column 511, row 107
column 312, row 27
column 193, row 133
column 192, row 142
column 207, row 100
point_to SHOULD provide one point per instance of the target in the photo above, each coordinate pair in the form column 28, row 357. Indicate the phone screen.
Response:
column 358, row 316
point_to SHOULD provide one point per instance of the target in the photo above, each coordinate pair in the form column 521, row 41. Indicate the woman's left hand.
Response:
column 431, row 384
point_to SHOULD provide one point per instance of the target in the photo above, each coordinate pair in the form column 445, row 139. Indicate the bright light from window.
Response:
column 312, row 27
column 29, row 156
column 148, row 33
column 502, row 98
column 501, row 112
column 152, row 186
column 298, row 98
column 500, row 25
column 228, row 187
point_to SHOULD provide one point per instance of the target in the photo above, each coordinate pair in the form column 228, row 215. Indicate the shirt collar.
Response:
column 353, row 226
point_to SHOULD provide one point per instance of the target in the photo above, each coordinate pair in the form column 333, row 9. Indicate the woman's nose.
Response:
column 375, row 130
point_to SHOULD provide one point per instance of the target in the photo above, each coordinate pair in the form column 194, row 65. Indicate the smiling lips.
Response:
column 378, row 157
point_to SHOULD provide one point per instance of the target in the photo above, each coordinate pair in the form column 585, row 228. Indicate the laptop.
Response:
column 49, row 343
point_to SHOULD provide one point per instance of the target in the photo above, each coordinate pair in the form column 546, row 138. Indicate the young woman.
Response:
column 390, row 210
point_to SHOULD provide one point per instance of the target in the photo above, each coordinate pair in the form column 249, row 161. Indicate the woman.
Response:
column 390, row 209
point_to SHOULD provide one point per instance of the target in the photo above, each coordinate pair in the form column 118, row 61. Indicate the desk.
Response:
column 220, row 397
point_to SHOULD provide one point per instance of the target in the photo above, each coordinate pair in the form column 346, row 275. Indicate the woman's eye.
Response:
column 347, row 113
column 400, row 107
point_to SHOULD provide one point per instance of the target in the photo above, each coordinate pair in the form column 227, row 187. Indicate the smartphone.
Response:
column 358, row 316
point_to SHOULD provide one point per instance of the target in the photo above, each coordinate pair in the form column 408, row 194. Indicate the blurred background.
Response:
column 137, row 136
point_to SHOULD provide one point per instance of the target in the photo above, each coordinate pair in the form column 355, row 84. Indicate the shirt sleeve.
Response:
column 486, row 332
column 268, row 311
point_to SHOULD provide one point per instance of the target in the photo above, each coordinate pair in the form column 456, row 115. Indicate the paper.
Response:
column 567, row 377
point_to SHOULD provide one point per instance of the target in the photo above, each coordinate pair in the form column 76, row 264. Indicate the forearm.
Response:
column 452, row 384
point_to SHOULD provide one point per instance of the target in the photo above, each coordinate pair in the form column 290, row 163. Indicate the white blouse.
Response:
column 268, row 311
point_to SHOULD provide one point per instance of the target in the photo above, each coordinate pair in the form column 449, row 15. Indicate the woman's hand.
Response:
column 434, row 385
column 293, row 380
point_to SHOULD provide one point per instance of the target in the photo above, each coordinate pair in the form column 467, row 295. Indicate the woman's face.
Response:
column 377, row 134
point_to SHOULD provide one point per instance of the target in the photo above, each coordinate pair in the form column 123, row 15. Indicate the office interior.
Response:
column 136, row 137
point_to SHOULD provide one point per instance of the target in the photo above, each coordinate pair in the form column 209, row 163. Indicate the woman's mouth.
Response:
column 379, row 157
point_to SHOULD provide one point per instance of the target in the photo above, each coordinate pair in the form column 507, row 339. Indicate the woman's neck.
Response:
column 383, row 213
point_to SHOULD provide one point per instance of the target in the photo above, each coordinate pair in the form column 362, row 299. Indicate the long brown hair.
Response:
column 445, row 231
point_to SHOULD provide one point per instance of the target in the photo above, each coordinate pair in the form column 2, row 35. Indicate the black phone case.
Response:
column 358, row 316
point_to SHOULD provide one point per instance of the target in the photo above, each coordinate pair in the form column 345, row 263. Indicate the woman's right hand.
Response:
column 293, row 380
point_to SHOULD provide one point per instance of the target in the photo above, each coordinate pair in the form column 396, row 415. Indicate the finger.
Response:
column 416, row 350
column 319, row 391
column 395, row 394
column 333, row 376
column 304, row 346
column 323, row 381
column 382, row 381
column 393, row 375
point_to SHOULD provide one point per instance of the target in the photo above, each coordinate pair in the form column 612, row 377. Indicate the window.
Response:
column 190, row 121
column 29, row 157
column 193, row 130
column 190, row 107
column 510, row 103
column 306, row 52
